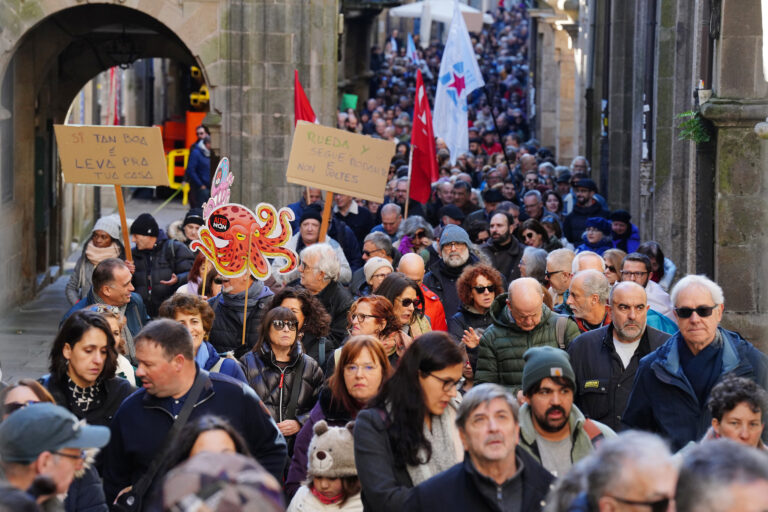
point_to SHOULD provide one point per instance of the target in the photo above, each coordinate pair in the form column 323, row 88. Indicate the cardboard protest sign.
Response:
column 112, row 155
column 236, row 240
column 339, row 161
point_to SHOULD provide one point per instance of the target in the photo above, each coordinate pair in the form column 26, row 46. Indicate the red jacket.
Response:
column 433, row 308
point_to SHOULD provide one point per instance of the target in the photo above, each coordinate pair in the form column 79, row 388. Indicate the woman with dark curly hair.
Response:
column 737, row 406
column 362, row 369
column 194, row 313
column 314, row 321
column 408, row 434
column 478, row 286
column 83, row 361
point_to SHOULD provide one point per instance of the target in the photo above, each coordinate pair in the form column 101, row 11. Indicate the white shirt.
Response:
column 625, row 350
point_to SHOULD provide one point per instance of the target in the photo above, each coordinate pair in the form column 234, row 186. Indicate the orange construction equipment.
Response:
column 175, row 178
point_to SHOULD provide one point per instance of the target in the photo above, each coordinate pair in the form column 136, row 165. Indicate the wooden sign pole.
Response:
column 326, row 216
column 123, row 222
column 248, row 273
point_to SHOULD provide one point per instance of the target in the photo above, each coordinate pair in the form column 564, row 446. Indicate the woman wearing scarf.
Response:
column 103, row 243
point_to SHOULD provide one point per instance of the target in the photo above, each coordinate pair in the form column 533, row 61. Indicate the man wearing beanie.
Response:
column 552, row 429
column 586, row 206
column 455, row 256
column 162, row 264
column 625, row 234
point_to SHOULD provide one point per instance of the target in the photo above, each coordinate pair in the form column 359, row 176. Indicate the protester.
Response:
column 412, row 266
column 503, row 249
column 737, row 406
column 596, row 236
column 103, row 243
column 588, row 300
column 116, row 323
column 455, row 255
column 407, row 303
column 393, row 449
column 637, row 267
column 376, row 269
column 613, row 259
column 187, row 230
column 198, row 173
column 314, row 323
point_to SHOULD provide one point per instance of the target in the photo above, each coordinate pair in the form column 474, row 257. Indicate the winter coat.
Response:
column 501, row 349
column 433, row 308
column 318, row 348
column 325, row 409
column 582, row 443
column 441, row 279
column 14, row 499
column 336, row 300
column 629, row 242
column 135, row 313
column 305, row 501
column 505, row 258
column 275, row 385
column 166, row 258
column 360, row 221
column 227, row 330
column 459, row 489
column 602, row 383
column 345, row 272
column 85, row 493
column 465, row 319
column 575, row 222
column 198, row 172
column 552, row 244
column 600, row 247
column 113, row 392
column 208, row 358
column 339, row 231
column 142, row 423
column 662, row 399
column 80, row 281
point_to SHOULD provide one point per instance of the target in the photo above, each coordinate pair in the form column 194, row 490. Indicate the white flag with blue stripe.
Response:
column 411, row 51
column 459, row 75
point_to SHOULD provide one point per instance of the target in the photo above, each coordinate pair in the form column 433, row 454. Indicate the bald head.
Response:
column 629, row 311
column 588, row 260
column 526, row 297
column 412, row 265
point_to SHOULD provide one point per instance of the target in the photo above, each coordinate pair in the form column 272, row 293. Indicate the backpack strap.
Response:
column 562, row 322
column 593, row 431
column 321, row 351
column 293, row 403
column 217, row 366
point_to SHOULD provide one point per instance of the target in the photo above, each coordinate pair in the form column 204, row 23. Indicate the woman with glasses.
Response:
column 408, row 303
column 613, row 259
column 82, row 365
column 535, row 235
column 314, row 322
column 194, row 313
column 276, row 365
column 362, row 369
column 478, row 286
column 408, row 432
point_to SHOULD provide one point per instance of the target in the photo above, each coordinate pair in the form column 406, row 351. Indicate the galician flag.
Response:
column 411, row 49
column 459, row 75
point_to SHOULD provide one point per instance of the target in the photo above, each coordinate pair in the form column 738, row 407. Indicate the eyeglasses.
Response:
column 361, row 317
column 632, row 275
column 80, row 456
column 420, row 234
column 702, row 311
column 549, row 274
column 15, row 406
column 380, row 276
column 353, row 368
column 448, row 383
column 610, row 268
column 656, row 506
column 218, row 280
column 282, row 324
column 303, row 266
column 482, row 289
column 453, row 245
column 529, row 234
column 368, row 253
column 407, row 302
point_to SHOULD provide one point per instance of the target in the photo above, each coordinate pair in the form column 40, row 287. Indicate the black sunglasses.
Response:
column 702, row 311
column 407, row 302
column 282, row 324
column 218, row 280
column 656, row 506
column 483, row 289
column 611, row 269
column 549, row 274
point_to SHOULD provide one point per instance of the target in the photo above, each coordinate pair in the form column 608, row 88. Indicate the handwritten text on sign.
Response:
column 119, row 155
column 339, row 161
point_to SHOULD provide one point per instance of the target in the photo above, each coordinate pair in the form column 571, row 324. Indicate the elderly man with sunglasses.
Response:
column 673, row 383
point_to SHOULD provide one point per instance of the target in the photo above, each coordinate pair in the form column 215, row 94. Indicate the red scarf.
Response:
column 325, row 500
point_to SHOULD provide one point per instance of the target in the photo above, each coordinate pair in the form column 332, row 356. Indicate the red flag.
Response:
column 302, row 110
column 423, row 154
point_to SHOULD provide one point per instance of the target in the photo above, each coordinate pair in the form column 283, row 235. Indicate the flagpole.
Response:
column 496, row 125
column 408, row 192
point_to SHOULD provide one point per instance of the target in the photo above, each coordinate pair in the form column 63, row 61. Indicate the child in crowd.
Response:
column 332, row 482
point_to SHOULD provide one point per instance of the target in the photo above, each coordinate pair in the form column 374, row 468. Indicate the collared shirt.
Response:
column 353, row 209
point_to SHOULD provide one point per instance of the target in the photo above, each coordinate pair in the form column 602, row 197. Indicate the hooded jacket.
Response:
column 227, row 330
column 441, row 279
column 600, row 247
column 629, row 241
column 157, row 264
column 575, row 222
column 501, row 349
column 663, row 400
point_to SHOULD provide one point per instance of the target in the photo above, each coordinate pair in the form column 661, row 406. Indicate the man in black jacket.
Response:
column 586, row 206
column 503, row 249
column 605, row 360
column 496, row 474
column 454, row 258
column 162, row 264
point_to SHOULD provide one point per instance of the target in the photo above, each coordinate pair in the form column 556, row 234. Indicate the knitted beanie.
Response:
column 374, row 264
column 110, row 225
column 545, row 362
column 145, row 224
column 312, row 211
column 454, row 233
column 193, row 216
column 331, row 452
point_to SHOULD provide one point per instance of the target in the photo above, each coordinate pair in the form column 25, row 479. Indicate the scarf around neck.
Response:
column 98, row 254
column 324, row 499
column 446, row 446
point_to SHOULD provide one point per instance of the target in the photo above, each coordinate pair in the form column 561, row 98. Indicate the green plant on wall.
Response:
column 692, row 127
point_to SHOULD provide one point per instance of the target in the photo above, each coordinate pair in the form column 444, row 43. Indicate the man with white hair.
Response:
column 319, row 270
column 588, row 299
column 585, row 260
column 673, row 383
column 559, row 274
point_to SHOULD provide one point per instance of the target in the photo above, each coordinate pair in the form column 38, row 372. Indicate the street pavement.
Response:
column 27, row 331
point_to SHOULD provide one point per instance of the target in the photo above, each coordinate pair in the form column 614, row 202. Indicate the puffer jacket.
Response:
column 501, row 349
column 166, row 258
column 274, row 385
column 227, row 330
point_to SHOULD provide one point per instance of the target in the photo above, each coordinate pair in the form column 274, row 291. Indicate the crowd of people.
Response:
column 511, row 344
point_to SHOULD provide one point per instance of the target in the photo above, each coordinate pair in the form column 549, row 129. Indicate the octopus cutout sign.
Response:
column 236, row 240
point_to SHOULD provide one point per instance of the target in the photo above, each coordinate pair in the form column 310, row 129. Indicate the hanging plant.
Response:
column 692, row 127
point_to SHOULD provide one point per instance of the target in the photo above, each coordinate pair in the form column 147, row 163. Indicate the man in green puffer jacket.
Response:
column 520, row 321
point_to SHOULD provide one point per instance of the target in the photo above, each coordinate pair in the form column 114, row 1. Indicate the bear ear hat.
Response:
column 350, row 426
column 320, row 428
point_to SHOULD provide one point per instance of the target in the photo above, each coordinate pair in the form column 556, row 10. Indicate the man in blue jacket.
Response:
column 673, row 383
column 167, row 370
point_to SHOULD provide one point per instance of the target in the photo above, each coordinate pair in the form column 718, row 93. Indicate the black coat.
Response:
column 441, row 279
column 275, row 385
column 465, row 319
column 505, row 258
column 603, row 384
column 336, row 300
column 457, row 489
column 166, row 258
column 319, row 348
column 360, row 223
column 113, row 392
column 227, row 330
column 575, row 222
